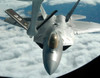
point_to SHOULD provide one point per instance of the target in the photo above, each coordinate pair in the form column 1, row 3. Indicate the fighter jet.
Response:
column 52, row 33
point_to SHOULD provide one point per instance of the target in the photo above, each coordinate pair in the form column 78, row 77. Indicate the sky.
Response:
column 21, row 57
column 55, row 2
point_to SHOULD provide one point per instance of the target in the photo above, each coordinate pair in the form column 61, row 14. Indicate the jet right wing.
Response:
column 85, row 27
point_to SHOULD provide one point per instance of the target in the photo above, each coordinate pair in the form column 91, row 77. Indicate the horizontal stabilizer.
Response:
column 17, row 18
column 77, row 17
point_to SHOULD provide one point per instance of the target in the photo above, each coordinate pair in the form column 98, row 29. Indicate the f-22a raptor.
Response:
column 53, row 33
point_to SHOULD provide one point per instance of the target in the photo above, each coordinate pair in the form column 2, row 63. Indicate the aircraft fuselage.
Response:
column 57, row 35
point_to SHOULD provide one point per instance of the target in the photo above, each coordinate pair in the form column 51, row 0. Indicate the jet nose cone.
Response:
column 51, row 67
column 51, row 61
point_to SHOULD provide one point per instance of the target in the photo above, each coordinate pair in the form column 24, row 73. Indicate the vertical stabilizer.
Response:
column 43, row 12
column 72, row 10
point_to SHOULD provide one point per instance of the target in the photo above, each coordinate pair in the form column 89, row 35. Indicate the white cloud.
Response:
column 54, row 2
column 21, row 57
column 6, row 4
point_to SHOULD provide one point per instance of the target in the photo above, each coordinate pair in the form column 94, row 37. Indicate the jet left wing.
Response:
column 85, row 27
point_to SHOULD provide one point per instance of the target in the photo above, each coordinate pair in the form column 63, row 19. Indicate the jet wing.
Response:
column 85, row 27
column 28, row 19
column 17, row 20
column 13, row 22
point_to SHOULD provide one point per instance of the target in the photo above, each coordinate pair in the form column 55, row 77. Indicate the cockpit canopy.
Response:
column 53, row 41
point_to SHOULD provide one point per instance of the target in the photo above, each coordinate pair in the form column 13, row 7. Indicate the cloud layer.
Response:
column 54, row 2
column 21, row 57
